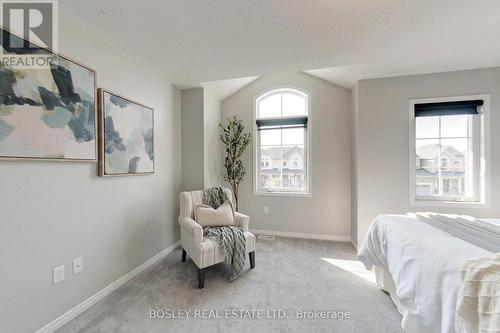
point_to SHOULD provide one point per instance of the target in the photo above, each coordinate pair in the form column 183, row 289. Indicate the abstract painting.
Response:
column 126, row 136
column 47, row 113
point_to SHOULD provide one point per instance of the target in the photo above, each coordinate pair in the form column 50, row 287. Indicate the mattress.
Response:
column 423, row 263
column 409, row 323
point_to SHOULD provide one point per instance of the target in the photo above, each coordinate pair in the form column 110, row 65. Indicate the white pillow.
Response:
column 206, row 216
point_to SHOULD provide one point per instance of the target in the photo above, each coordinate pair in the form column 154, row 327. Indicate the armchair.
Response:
column 203, row 251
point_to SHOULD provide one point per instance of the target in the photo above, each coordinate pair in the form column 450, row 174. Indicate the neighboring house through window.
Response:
column 281, row 132
column 449, row 150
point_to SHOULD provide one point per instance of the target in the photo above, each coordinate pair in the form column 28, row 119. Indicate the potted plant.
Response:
column 235, row 141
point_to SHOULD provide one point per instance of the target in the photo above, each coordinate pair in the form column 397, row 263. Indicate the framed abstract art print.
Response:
column 126, row 134
column 46, row 113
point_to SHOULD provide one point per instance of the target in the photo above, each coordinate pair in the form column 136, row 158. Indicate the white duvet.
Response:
column 425, row 265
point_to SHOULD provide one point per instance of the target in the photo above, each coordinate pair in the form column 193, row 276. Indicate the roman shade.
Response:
column 274, row 123
column 448, row 108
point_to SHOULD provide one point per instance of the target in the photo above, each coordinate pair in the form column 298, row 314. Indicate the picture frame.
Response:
column 64, row 129
column 126, row 136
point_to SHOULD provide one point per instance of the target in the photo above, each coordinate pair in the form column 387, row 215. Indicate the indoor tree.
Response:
column 235, row 141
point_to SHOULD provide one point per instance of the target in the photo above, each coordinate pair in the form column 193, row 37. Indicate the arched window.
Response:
column 282, row 131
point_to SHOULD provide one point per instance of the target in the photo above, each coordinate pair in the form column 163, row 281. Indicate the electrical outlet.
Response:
column 266, row 210
column 58, row 274
column 77, row 265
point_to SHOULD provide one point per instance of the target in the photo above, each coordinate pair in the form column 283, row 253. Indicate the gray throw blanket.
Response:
column 214, row 197
column 478, row 232
column 231, row 239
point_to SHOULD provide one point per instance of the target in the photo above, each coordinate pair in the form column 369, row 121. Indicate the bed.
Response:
column 419, row 266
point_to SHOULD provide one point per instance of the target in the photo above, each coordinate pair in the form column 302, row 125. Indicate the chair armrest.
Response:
column 242, row 221
column 190, row 227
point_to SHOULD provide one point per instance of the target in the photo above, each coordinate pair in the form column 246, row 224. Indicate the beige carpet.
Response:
column 291, row 276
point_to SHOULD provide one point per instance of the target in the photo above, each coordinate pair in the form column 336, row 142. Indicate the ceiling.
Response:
column 341, row 41
column 222, row 89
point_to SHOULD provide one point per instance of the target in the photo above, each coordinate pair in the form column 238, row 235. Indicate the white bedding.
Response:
column 424, row 263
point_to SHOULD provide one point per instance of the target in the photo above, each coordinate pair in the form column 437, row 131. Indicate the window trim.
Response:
column 307, row 146
column 483, row 188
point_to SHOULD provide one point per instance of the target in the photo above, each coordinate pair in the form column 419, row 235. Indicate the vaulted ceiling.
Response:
column 193, row 41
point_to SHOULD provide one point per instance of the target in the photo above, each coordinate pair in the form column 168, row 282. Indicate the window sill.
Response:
column 282, row 194
column 450, row 204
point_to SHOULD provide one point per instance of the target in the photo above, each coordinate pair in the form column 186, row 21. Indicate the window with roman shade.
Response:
column 282, row 130
column 448, row 150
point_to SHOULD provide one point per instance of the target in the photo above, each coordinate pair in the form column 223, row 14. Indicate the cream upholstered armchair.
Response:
column 204, row 251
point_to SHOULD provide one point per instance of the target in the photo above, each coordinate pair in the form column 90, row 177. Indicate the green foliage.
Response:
column 235, row 141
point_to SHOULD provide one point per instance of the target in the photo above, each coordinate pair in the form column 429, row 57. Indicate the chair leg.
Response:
column 183, row 255
column 252, row 259
column 201, row 278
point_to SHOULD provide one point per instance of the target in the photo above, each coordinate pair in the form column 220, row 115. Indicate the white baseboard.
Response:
column 301, row 235
column 354, row 243
column 77, row 310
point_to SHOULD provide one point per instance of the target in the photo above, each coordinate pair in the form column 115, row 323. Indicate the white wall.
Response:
column 53, row 212
column 383, row 139
column 213, row 148
column 192, row 139
column 201, row 149
column 354, row 165
column 327, row 212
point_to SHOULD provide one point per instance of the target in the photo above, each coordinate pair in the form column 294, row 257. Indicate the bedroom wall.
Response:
column 213, row 148
column 53, row 212
column 382, row 150
column 354, row 165
column 192, row 139
column 327, row 212
column 201, row 150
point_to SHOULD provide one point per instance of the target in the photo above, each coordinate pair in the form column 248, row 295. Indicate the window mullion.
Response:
column 305, row 161
column 281, row 143
column 440, row 176
column 258, row 162
column 281, row 158
column 475, row 135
